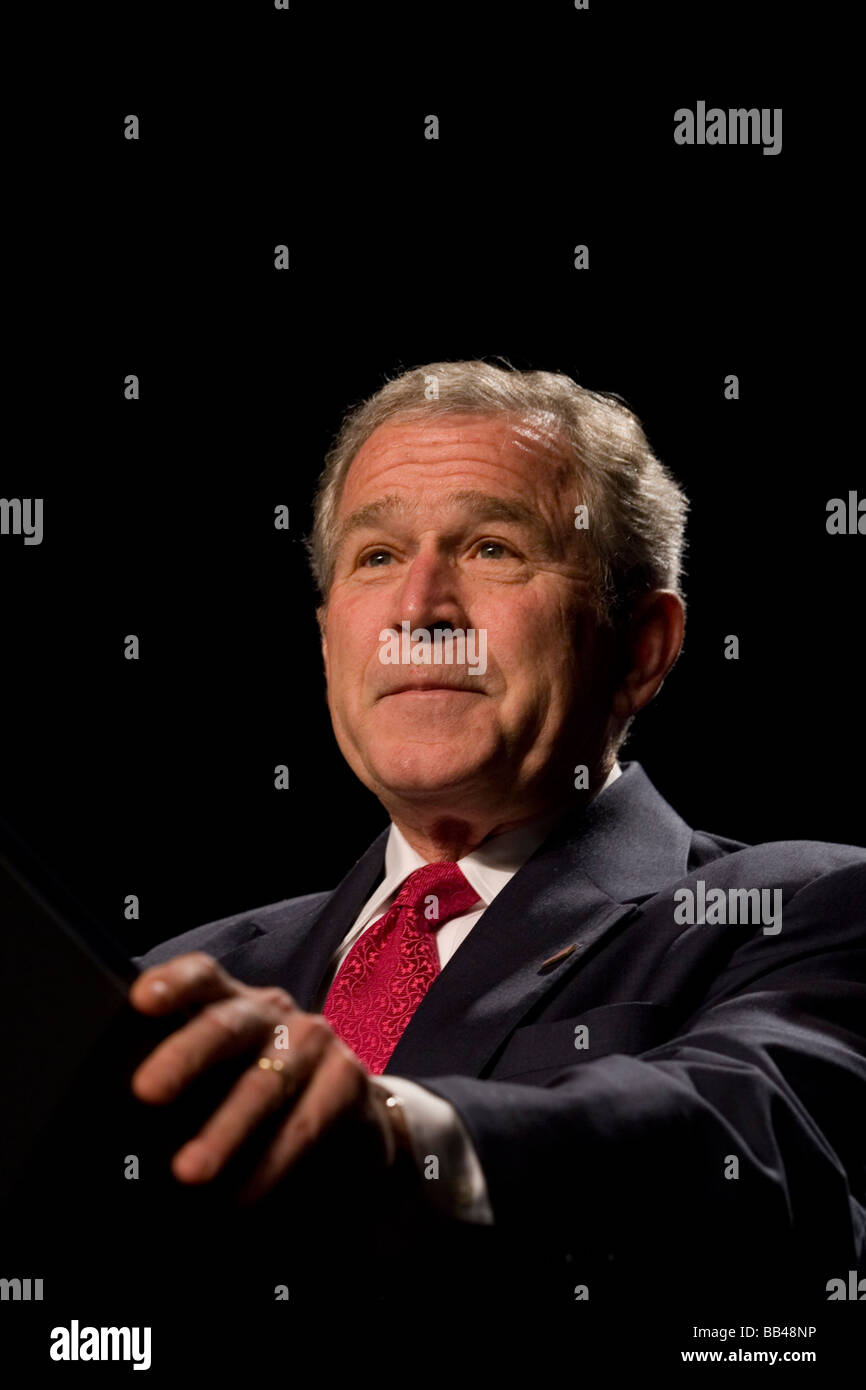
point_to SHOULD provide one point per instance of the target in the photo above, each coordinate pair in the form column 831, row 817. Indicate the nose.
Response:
column 429, row 595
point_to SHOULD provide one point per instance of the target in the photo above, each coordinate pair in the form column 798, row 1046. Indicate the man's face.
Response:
column 468, row 522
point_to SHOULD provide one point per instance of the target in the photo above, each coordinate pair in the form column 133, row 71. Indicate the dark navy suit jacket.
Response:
column 713, row 1130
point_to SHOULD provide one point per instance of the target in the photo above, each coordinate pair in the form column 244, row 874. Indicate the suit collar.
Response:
column 632, row 814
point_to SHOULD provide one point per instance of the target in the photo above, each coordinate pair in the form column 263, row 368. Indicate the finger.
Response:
column 194, row 978
column 221, row 1030
column 338, row 1085
column 255, row 1095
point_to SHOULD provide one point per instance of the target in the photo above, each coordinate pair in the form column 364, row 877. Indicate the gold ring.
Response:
column 279, row 1066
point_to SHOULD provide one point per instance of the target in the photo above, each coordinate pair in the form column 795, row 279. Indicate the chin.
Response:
column 416, row 772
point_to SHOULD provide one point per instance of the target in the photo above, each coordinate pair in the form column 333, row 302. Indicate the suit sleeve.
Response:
column 742, row 1136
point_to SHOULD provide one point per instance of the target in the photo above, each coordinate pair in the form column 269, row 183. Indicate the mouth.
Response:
column 429, row 689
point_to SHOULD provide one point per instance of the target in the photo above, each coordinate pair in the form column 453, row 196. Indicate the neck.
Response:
column 441, row 836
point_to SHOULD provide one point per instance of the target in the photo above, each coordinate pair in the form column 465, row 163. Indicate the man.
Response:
column 574, row 1026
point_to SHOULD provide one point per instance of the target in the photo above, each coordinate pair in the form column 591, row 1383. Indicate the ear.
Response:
column 651, row 644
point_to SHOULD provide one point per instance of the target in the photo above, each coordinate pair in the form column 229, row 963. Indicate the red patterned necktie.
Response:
column 391, row 966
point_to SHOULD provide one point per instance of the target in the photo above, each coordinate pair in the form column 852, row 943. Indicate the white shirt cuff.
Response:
column 437, row 1132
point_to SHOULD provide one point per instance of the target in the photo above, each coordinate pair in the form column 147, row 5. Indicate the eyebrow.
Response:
column 481, row 506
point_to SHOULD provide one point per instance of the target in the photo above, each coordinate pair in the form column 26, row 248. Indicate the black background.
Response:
column 307, row 128
column 155, row 257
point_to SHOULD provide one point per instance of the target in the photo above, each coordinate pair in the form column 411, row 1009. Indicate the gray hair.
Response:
column 636, row 537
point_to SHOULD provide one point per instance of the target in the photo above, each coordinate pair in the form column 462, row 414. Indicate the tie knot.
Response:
column 435, row 893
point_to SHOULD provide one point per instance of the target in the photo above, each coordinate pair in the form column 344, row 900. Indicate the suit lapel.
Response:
column 580, row 884
column 297, row 955
column 497, row 974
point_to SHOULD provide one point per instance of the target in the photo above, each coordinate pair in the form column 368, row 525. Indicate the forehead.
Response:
column 506, row 453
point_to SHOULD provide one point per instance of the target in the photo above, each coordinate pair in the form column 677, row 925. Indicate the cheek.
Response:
column 541, row 662
column 350, row 639
column 353, row 658
column 529, row 642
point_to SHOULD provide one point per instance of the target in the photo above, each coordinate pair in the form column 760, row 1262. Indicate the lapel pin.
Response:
column 560, row 955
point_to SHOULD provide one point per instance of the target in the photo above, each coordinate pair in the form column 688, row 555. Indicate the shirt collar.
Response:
column 487, row 869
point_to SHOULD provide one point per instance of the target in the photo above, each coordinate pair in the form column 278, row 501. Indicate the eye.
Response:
column 494, row 545
column 373, row 555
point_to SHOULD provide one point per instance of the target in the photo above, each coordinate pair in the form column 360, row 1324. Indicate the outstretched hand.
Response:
column 316, row 1076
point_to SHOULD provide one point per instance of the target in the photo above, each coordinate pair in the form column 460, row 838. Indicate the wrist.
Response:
column 400, row 1146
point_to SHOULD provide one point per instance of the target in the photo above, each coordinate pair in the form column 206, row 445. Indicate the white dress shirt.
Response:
column 435, row 1128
